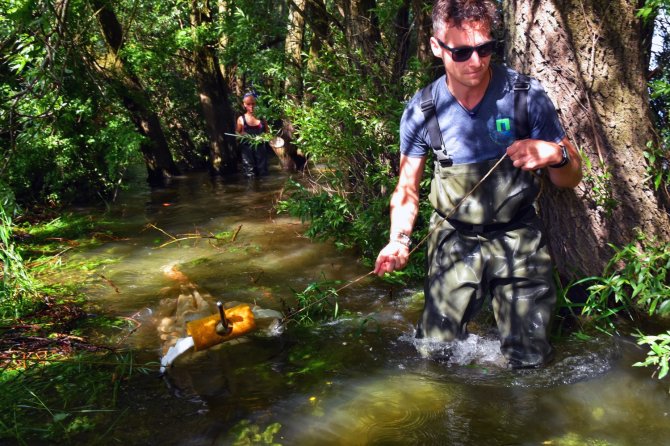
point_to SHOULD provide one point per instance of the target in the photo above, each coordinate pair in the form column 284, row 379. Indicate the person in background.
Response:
column 254, row 155
column 493, row 244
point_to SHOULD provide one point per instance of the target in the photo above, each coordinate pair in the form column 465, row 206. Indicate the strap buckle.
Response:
column 521, row 86
column 427, row 105
column 446, row 162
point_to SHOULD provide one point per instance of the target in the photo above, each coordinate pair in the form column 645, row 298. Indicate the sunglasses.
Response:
column 463, row 53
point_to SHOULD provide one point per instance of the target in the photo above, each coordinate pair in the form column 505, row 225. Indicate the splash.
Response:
column 474, row 349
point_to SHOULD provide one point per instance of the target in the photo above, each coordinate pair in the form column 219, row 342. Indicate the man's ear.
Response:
column 437, row 49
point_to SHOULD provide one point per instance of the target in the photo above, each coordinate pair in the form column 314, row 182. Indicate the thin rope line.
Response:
column 453, row 210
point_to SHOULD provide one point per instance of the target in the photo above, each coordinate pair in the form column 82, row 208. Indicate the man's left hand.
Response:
column 533, row 154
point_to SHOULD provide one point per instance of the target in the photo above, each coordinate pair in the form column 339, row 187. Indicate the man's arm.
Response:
column 532, row 154
column 404, row 209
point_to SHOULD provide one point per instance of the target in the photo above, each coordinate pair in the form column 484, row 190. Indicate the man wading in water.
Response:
column 492, row 243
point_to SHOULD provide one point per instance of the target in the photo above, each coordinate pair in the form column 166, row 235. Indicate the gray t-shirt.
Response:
column 485, row 132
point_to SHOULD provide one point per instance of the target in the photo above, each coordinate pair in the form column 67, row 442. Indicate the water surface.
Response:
column 361, row 380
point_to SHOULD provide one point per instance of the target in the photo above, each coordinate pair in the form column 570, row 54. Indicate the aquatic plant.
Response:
column 223, row 236
column 659, row 354
column 635, row 279
column 247, row 433
column 315, row 303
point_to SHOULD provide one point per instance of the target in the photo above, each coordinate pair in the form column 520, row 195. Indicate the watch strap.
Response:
column 564, row 161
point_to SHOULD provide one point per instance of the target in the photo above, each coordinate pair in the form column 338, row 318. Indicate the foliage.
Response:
column 349, row 132
column 658, row 166
column 57, row 400
column 659, row 353
column 658, row 153
column 598, row 184
column 314, row 304
column 635, row 278
column 251, row 434
column 17, row 287
column 65, row 140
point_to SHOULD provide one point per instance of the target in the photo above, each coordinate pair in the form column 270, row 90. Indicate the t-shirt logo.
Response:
column 502, row 125
column 501, row 131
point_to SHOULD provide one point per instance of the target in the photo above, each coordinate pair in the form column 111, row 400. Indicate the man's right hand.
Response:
column 393, row 256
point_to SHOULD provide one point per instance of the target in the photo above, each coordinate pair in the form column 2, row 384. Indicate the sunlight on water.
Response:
column 380, row 410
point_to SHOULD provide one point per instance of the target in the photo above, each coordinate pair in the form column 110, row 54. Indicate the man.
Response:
column 492, row 243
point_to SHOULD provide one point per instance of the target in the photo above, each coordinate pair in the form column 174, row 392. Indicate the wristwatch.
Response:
column 401, row 238
column 564, row 161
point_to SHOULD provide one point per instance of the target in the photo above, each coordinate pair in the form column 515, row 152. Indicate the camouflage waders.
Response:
column 492, row 245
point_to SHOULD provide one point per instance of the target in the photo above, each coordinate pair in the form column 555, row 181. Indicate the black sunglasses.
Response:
column 463, row 53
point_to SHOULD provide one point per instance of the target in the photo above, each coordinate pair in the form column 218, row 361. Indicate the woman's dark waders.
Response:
column 492, row 245
column 254, row 157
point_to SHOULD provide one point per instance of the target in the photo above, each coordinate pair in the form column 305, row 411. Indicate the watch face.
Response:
column 566, row 158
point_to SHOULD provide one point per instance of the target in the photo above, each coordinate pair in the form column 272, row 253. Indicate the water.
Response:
column 358, row 381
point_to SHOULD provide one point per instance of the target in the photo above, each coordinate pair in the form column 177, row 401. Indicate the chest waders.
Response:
column 254, row 158
column 492, row 245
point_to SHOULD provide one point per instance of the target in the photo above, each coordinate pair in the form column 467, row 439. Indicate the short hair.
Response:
column 459, row 11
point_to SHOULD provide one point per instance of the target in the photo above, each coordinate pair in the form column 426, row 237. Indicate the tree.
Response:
column 213, row 91
column 294, row 48
column 590, row 57
column 127, row 85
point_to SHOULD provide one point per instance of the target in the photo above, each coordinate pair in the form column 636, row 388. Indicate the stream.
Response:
column 360, row 380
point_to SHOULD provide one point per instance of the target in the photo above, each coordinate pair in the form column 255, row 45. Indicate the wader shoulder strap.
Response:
column 433, row 127
column 521, row 88
column 521, row 126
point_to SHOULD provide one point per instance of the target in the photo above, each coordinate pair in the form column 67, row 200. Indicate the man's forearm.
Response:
column 404, row 209
column 405, row 198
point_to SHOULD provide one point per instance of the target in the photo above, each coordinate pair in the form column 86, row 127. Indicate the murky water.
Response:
column 361, row 380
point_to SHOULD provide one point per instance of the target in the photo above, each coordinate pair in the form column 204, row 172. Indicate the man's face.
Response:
column 473, row 71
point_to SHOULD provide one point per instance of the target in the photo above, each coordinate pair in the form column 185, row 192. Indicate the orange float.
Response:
column 217, row 328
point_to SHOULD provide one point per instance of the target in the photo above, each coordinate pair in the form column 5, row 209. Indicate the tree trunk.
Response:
column 293, row 48
column 589, row 56
column 361, row 30
column 319, row 23
column 402, row 39
column 214, row 99
column 157, row 156
column 361, row 26
column 424, row 30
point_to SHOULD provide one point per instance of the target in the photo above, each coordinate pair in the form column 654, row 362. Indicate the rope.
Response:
column 453, row 210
